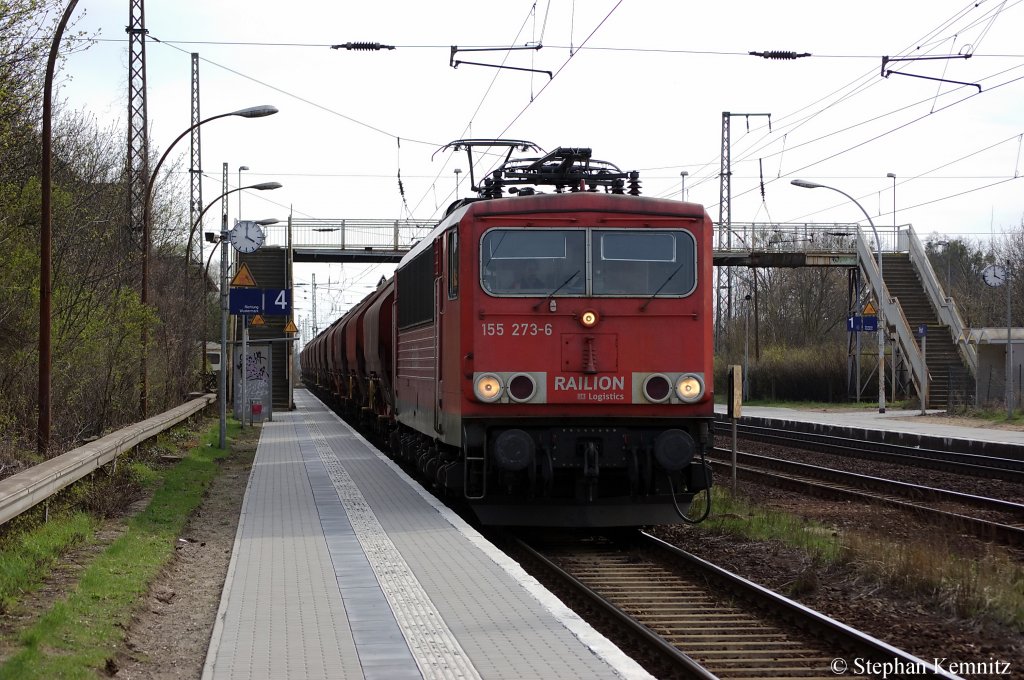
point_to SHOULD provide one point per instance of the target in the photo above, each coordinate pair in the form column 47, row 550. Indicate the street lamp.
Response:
column 251, row 112
column 682, row 185
column 243, row 402
column 240, row 168
column 457, row 172
column 263, row 186
column 224, row 312
column 880, row 293
column 46, row 239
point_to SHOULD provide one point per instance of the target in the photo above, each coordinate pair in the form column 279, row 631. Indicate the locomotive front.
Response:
column 586, row 359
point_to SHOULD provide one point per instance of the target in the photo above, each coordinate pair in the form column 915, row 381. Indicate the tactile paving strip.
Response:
column 434, row 646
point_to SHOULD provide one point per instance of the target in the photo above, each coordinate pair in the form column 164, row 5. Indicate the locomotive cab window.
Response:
column 453, row 264
column 643, row 263
column 588, row 262
column 533, row 262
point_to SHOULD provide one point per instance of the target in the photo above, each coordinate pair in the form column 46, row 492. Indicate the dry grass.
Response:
column 989, row 584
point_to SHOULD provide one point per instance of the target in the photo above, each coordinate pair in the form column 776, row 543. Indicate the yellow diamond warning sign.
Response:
column 290, row 327
column 869, row 310
column 257, row 320
column 243, row 279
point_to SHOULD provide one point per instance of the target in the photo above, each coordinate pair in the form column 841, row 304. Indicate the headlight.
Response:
column 589, row 318
column 689, row 388
column 521, row 387
column 657, row 388
column 487, row 387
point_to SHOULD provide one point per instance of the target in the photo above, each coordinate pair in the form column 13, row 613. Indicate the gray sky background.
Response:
column 642, row 82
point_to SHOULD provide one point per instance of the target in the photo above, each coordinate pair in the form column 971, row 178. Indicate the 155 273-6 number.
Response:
column 517, row 329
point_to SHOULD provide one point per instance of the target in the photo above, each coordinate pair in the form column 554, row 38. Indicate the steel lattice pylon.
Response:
column 138, row 141
column 195, row 169
column 724, row 220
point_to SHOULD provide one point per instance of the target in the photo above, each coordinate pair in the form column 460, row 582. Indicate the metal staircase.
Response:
column 914, row 297
column 946, row 369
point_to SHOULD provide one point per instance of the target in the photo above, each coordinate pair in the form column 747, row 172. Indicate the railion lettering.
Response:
column 589, row 383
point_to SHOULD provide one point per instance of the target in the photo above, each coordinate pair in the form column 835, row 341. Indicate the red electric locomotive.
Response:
column 551, row 353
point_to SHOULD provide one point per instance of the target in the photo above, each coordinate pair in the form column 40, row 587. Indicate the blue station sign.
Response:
column 250, row 301
column 868, row 324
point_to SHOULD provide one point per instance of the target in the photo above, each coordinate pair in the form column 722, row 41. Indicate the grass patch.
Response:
column 865, row 404
column 990, row 585
column 79, row 634
column 28, row 558
column 735, row 516
column 989, row 414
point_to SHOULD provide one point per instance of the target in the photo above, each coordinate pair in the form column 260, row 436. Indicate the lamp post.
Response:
column 224, row 313
column 682, row 185
column 458, row 171
column 263, row 186
column 46, row 240
column 879, row 293
column 251, row 112
column 240, row 168
column 243, row 402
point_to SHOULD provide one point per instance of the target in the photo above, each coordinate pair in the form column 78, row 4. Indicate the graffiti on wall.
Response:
column 258, row 382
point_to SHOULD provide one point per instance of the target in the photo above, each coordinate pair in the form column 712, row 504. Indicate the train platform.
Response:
column 344, row 567
column 895, row 425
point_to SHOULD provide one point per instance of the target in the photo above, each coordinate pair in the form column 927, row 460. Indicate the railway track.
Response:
column 992, row 467
column 701, row 620
column 1004, row 521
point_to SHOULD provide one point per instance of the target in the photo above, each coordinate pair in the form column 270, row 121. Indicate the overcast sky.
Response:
column 642, row 82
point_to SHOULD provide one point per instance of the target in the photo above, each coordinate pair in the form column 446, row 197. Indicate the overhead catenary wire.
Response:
column 469, row 123
column 374, row 127
column 433, row 189
column 859, row 85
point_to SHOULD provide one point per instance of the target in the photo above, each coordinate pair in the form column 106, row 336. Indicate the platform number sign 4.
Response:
column 277, row 301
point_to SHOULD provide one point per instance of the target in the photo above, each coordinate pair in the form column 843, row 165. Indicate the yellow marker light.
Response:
column 487, row 387
column 689, row 388
column 588, row 319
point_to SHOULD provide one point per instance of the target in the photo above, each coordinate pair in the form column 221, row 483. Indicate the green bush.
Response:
column 791, row 374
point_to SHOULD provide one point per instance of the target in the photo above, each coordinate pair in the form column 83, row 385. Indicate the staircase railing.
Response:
column 948, row 314
column 892, row 314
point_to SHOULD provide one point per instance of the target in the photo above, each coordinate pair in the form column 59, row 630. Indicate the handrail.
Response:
column 24, row 490
column 906, row 324
column 892, row 314
column 947, row 311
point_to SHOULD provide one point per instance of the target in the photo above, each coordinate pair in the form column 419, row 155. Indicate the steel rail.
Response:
column 982, row 528
column 702, row 623
column 30, row 487
column 905, row 489
column 813, row 621
column 1008, row 469
column 663, row 647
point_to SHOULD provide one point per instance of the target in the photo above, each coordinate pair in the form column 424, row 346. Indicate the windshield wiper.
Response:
column 664, row 283
column 552, row 293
